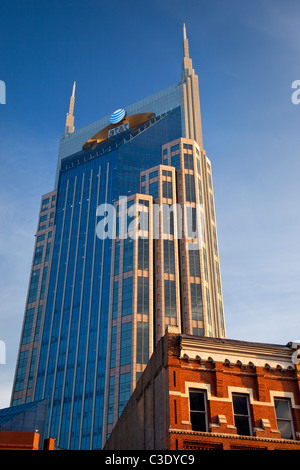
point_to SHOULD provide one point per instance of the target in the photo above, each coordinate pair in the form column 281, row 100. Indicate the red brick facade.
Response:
column 220, row 369
column 20, row 440
column 219, row 379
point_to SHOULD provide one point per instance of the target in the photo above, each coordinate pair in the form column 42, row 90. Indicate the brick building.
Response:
column 14, row 440
column 208, row 393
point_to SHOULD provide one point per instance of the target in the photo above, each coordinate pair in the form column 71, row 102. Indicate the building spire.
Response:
column 69, row 128
column 187, row 66
column 185, row 43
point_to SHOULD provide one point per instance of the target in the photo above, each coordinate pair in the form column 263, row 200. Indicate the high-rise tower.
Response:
column 100, row 297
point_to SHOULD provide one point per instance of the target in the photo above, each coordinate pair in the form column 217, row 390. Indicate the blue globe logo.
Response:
column 117, row 116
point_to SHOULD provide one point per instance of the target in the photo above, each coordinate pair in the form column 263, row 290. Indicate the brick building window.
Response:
column 241, row 414
column 198, row 411
column 284, row 418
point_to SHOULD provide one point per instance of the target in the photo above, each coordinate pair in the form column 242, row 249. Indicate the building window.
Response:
column 190, row 188
column 110, row 410
column 205, row 264
column 215, row 240
column 167, row 189
column 21, row 371
column 142, row 342
column 125, row 350
column 113, row 346
column 130, row 218
column 209, row 180
column 143, row 295
column 188, row 146
column 208, row 305
column 154, row 174
column 212, row 208
column 33, row 286
column 169, row 257
column 198, row 413
column 117, row 258
column 194, row 262
column 143, row 218
column 188, row 161
column 128, row 255
column 43, row 284
column 241, row 414
column 127, row 296
column 28, row 326
column 31, row 370
column 168, row 219
column 196, row 301
column 170, row 298
column 284, row 418
column 115, row 299
column 124, row 391
column 153, row 189
column 175, row 161
column 143, row 254
column 38, row 323
column 47, row 251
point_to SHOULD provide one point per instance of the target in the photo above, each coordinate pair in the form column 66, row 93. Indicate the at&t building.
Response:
column 100, row 296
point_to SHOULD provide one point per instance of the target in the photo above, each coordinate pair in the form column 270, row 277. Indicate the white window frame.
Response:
column 246, row 395
column 204, row 392
column 286, row 399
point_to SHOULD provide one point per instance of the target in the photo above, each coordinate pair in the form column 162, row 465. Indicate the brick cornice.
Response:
column 236, row 352
column 233, row 436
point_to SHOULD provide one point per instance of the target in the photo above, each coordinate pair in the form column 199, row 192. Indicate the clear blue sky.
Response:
column 246, row 55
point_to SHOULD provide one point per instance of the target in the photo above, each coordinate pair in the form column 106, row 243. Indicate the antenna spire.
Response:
column 187, row 66
column 69, row 128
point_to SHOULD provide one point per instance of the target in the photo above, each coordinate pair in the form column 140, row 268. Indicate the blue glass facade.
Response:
column 72, row 359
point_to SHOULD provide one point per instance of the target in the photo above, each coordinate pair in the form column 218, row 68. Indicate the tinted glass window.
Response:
column 198, row 410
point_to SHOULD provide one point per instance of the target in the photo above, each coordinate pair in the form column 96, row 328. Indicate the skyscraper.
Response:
column 100, row 297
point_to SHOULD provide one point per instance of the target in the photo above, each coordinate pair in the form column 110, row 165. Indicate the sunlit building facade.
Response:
column 101, row 295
